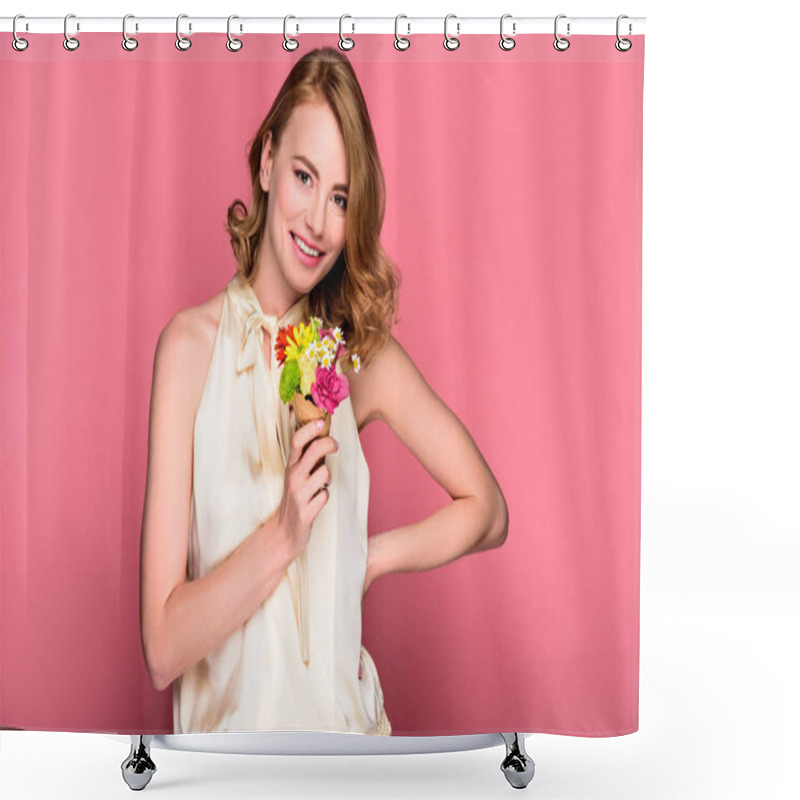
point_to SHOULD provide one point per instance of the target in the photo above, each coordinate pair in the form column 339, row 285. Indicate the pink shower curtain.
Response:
column 513, row 214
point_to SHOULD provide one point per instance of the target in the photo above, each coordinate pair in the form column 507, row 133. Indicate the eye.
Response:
column 301, row 175
column 343, row 204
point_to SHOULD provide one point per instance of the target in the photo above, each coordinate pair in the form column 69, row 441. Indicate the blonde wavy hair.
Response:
column 359, row 294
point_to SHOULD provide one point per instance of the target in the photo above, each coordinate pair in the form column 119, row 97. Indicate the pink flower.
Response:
column 328, row 389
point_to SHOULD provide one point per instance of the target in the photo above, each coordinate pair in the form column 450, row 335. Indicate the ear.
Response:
column 266, row 160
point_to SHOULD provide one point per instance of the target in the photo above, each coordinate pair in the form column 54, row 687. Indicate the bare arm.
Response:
column 394, row 390
column 181, row 620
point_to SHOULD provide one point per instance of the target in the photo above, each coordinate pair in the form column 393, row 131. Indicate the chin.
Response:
column 309, row 279
column 315, row 276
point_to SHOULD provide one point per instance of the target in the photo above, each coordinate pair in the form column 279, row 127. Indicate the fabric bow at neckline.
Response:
column 257, row 319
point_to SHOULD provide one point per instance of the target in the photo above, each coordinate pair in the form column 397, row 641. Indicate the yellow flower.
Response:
column 301, row 337
column 305, row 335
column 308, row 371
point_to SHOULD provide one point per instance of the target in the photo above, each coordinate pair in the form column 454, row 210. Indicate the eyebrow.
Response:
column 340, row 187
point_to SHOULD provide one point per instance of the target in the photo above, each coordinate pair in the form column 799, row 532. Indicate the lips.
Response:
column 307, row 243
column 303, row 257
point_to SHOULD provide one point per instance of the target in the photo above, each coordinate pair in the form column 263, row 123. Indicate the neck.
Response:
column 274, row 296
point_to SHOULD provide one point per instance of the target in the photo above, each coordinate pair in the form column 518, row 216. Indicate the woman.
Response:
column 254, row 563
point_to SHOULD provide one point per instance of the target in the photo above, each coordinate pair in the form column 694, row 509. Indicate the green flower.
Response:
column 290, row 380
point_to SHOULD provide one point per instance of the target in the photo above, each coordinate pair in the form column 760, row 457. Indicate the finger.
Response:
column 316, row 450
column 302, row 436
column 320, row 479
column 317, row 501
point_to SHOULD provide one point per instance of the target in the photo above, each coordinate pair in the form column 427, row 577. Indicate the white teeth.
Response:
column 305, row 248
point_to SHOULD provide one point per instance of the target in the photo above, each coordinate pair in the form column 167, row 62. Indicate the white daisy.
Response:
column 313, row 351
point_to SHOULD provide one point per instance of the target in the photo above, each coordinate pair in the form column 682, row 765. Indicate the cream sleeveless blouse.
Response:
column 297, row 663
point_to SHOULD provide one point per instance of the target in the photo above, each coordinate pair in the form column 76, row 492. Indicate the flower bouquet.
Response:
column 308, row 355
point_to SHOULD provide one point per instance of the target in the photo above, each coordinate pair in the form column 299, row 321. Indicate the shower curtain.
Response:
column 513, row 218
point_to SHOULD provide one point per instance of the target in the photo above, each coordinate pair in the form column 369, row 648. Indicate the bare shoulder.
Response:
column 382, row 377
column 186, row 345
column 203, row 319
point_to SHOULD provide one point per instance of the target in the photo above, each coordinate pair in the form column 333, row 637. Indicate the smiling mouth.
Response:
column 309, row 251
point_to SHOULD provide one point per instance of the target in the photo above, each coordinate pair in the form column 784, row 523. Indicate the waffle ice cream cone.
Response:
column 305, row 411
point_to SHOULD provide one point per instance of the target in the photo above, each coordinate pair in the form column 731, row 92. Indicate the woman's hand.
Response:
column 304, row 492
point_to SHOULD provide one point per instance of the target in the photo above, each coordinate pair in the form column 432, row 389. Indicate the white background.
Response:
column 719, row 694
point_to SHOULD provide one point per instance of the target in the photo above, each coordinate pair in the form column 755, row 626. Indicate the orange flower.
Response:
column 284, row 339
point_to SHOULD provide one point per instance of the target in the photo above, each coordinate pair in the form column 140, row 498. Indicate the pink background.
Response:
column 514, row 217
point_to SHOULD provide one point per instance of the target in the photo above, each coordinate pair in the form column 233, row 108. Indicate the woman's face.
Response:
column 307, row 181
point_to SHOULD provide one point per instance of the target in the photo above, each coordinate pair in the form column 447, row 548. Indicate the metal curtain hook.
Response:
column 18, row 43
column 506, row 42
column 623, row 45
column 128, row 42
column 233, row 44
column 70, row 42
column 400, row 42
column 451, row 42
column 560, row 42
column 182, row 43
column 289, row 42
column 345, row 42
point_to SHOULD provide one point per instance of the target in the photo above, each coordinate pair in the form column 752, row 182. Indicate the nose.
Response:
column 315, row 215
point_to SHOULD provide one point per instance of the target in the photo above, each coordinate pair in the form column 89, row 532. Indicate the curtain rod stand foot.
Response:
column 138, row 768
column 517, row 766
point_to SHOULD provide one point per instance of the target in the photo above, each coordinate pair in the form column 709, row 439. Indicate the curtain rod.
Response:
column 407, row 26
